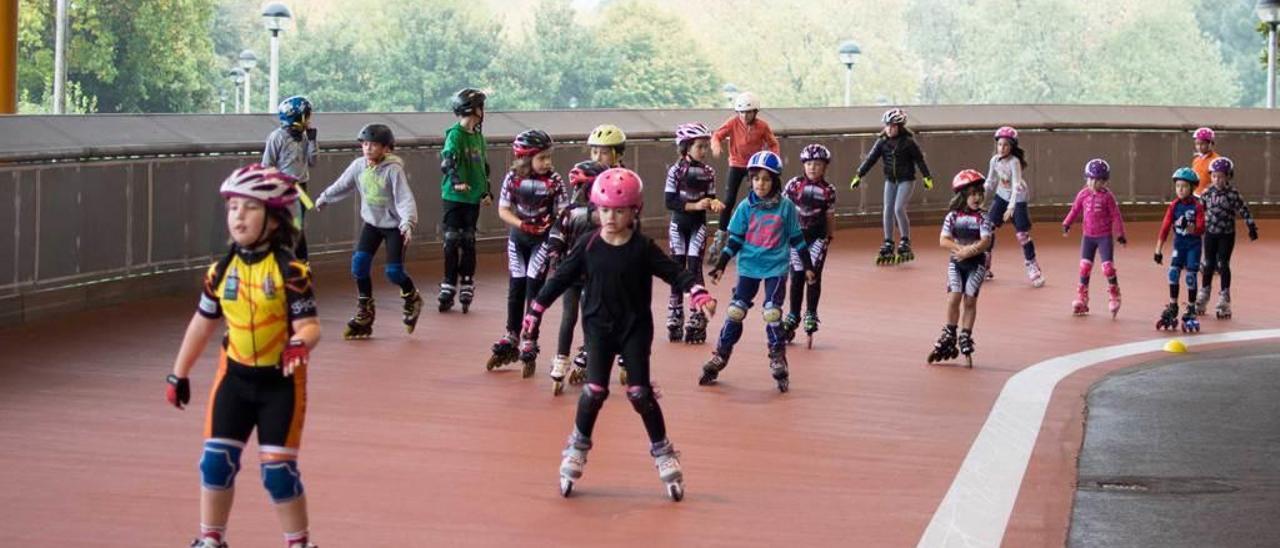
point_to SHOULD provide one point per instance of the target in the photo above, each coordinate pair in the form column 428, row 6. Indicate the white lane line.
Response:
column 976, row 509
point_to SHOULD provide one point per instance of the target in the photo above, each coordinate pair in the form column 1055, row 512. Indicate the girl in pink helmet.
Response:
column 967, row 234
column 1099, row 212
column 1205, row 155
column 619, row 265
column 1004, row 174
column 690, row 192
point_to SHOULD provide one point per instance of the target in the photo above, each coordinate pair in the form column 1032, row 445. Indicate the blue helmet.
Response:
column 293, row 111
column 767, row 161
column 1186, row 174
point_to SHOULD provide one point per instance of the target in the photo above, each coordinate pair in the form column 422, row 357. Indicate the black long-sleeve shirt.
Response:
column 901, row 156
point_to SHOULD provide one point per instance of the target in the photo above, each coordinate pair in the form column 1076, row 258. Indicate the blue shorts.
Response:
column 1186, row 253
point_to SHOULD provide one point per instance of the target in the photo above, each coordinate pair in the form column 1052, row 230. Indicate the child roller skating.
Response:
column 1100, row 214
column 1185, row 217
column 619, row 265
column 1004, row 174
column 532, row 198
column 1222, row 203
column 464, row 188
column 815, row 201
column 902, row 155
column 966, row 234
column 690, row 192
column 389, row 213
column 292, row 149
column 762, row 232
column 265, row 295
column 747, row 135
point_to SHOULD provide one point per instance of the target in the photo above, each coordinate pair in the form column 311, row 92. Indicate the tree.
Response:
column 555, row 60
column 1233, row 26
column 652, row 70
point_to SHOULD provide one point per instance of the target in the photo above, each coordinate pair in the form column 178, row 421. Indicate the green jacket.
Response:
column 463, row 157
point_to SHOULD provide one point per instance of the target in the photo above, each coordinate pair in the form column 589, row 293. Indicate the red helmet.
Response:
column 1007, row 132
column 273, row 187
column 966, row 179
column 618, row 187
column 585, row 173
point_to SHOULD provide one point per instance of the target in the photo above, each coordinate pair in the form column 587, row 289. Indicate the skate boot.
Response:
column 885, row 256
column 904, row 251
column 945, row 349
column 505, row 351
column 667, row 461
column 578, row 374
column 412, row 309
column 778, row 367
column 717, row 246
column 1224, row 305
column 1034, row 274
column 1202, row 300
column 445, row 298
column 1190, row 323
column 695, row 331
column 811, row 322
column 559, row 367
column 466, row 294
column 1113, row 303
column 528, row 356
column 711, row 370
column 207, row 542
column 789, row 326
column 1080, row 306
column 964, row 343
column 361, row 325
column 1168, row 318
column 574, row 461
column 675, row 321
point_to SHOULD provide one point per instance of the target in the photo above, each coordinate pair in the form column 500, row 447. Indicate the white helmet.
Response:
column 746, row 102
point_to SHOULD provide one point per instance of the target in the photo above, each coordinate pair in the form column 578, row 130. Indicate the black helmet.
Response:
column 377, row 133
column 466, row 101
column 531, row 142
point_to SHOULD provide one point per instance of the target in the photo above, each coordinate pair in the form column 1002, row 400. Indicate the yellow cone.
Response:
column 1175, row 346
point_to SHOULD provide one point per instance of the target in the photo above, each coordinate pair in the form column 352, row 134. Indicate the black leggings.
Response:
column 1217, row 258
column 569, row 319
column 371, row 238
column 459, row 227
column 798, row 282
column 730, row 196
column 524, row 254
column 602, row 347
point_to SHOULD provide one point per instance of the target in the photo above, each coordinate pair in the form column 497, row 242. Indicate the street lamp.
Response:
column 848, row 52
column 730, row 93
column 237, row 76
column 573, row 102
column 1269, row 12
column 248, row 60
column 275, row 16
column 222, row 100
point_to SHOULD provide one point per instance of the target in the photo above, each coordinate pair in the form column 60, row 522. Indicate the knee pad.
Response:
column 395, row 273
column 361, row 264
column 282, row 480
column 1024, row 238
column 1086, row 267
column 642, row 399
column 219, row 464
column 1109, row 269
column 593, row 396
column 452, row 237
column 1192, row 278
column 772, row 314
column 737, row 311
column 468, row 236
column 1173, row 275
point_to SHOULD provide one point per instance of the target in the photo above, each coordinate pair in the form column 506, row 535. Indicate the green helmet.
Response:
column 1186, row 174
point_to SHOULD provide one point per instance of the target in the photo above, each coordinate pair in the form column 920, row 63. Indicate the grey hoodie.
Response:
column 386, row 200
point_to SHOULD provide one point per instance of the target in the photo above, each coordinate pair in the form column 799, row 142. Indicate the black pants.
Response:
column 798, row 283
column 571, row 300
column 686, row 237
column 730, row 196
column 525, row 259
column 603, row 345
column 1217, row 258
column 459, row 228
column 371, row 238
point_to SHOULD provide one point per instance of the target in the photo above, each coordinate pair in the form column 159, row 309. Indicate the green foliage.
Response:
column 655, row 68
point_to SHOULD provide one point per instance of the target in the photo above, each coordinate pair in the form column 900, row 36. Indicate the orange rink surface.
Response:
column 409, row 441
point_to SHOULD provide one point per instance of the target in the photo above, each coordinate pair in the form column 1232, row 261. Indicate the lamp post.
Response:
column 248, row 60
column 573, row 102
column 222, row 100
column 1269, row 12
column 275, row 16
column 237, row 77
column 848, row 52
column 730, row 93
column 60, row 58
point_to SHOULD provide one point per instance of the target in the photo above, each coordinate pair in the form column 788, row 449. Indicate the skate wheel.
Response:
column 968, row 361
column 566, row 487
column 784, row 386
column 675, row 490
column 706, row 380
column 528, row 369
column 809, row 344
column 557, row 387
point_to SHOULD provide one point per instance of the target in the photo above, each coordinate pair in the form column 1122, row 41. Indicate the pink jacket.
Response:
column 1099, row 211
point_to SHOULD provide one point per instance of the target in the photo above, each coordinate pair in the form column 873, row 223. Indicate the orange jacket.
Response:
column 1200, row 165
column 745, row 140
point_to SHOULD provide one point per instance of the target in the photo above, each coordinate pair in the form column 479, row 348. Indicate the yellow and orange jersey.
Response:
column 259, row 294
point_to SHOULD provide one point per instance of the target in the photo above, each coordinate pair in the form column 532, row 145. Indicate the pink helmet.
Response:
column 1204, row 134
column 1007, row 132
column 618, row 187
column 273, row 187
column 691, row 131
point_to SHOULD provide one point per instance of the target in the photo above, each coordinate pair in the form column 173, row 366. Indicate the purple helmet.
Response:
column 815, row 151
column 690, row 131
column 1223, row 164
column 1097, row 168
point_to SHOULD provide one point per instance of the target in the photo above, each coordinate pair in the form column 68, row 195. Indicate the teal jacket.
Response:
column 762, row 234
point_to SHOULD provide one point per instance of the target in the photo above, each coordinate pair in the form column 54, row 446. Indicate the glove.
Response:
column 699, row 296
column 928, row 183
column 1122, row 240
column 179, row 390
column 295, row 355
column 311, row 134
column 1159, row 258
column 531, row 228
column 857, row 180
column 1066, row 229
column 1253, row 232
column 532, row 319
